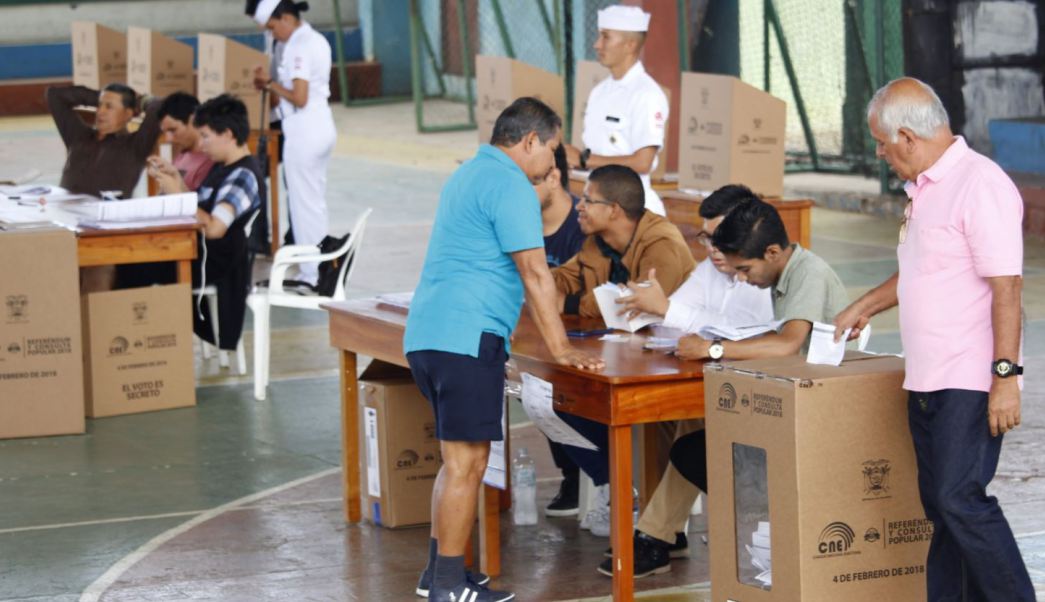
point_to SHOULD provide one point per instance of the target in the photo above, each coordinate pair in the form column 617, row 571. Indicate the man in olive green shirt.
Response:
column 805, row 288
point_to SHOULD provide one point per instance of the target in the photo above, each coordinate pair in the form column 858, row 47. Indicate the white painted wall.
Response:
column 39, row 23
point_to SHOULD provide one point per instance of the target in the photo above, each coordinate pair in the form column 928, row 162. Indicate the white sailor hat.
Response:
column 624, row 18
column 264, row 11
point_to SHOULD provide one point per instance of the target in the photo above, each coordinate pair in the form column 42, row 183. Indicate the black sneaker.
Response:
column 478, row 580
column 468, row 592
column 565, row 502
column 679, row 549
column 651, row 557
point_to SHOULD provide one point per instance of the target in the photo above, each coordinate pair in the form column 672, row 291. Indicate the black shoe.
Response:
column 679, row 549
column 469, row 592
column 651, row 557
column 565, row 502
column 477, row 580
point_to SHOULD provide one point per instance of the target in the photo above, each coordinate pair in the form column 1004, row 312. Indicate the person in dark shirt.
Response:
column 562, row 239
column 105, row 157
column 562, row 232
column 229, row 197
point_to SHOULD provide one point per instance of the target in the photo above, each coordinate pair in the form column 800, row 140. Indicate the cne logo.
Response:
column 119, row 346
column 872, row 535
column 407, row 459
column 727, row 397
column 876, row 478
column 836, row 539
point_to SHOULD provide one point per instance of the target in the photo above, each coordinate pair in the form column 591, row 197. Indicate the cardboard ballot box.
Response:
column 99, row 55
column 226, row 66
column 138, row 350
column 399, row 455
column 158, row 65
column 499, row 81
column 41, row 370
column 812, row 476
column 730, row 133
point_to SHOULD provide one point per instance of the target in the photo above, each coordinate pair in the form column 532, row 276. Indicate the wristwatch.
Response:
column 585, row 155
column 1004, row 368
column 716, row 350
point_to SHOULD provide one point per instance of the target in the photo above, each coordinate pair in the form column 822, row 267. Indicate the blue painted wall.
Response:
column 1019, row 144
column 55, row 60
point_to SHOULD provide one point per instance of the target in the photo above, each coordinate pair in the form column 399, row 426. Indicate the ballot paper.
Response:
column 134, row 210
column 737, row 333
column 496, row 474
column 606, row 296
column 822, row 346
column 537, row 401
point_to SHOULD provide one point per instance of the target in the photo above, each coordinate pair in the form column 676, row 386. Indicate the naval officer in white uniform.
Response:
column 302, row 84
column 626, row 112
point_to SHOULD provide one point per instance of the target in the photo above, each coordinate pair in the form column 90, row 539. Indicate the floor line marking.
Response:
column 94, row 591
column 101, row 521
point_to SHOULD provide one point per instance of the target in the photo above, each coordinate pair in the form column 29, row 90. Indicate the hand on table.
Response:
column 581, row 360
column 1003, row 405
column 646, row 297
column 693, row 347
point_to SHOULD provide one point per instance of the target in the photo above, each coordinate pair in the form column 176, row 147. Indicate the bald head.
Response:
column 912, row 105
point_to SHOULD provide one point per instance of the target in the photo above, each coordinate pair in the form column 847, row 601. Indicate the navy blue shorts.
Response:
column 467, row 393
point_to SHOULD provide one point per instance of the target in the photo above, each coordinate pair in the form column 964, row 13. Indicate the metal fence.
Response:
column 825, row 58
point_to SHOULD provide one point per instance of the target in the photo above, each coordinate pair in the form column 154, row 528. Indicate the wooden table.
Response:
column 139, row 245
column 636, row 387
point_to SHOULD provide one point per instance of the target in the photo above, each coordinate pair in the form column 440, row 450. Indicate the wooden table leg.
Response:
column 620, row 516
column 490, row 531
column 184, row 272
column 350, row 436
column 273, row 152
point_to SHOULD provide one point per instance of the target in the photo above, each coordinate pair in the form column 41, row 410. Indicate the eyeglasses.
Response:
column 586, row 200
column 906, row 220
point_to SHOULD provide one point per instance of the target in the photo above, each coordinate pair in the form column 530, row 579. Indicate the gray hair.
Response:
column 922, row 115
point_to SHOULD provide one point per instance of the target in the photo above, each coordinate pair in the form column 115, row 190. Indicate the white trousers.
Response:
column 310, row 137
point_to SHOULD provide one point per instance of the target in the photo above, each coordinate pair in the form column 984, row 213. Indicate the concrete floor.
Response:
column 239, row 500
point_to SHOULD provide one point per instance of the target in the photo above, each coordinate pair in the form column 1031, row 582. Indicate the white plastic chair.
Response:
column 261, row 299
column 211, row 292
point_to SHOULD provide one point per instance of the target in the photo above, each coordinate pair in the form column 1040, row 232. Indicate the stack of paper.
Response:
column 137, row 210
column 606, row 296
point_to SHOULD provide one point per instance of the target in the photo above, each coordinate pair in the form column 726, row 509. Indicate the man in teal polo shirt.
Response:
column 485, row 254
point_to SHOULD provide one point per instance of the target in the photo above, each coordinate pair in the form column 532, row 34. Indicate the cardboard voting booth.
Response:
column 499, row 81
column 400, row 455
column 99, row 55
column 139, row 350
column 730, row 133
column 814, row 482
column 226, row 66
column 41, row 355
column 158, row 65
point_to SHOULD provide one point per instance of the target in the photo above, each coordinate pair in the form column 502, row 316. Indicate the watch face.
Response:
column 1003, row 368
column 715, row 351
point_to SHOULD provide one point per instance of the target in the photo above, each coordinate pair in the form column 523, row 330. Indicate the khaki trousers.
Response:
column 668, row 509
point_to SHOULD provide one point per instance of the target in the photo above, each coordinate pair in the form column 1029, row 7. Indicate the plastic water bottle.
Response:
column 524, row 489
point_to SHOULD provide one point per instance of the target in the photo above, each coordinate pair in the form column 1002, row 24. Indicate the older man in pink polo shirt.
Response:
column 958, row 288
